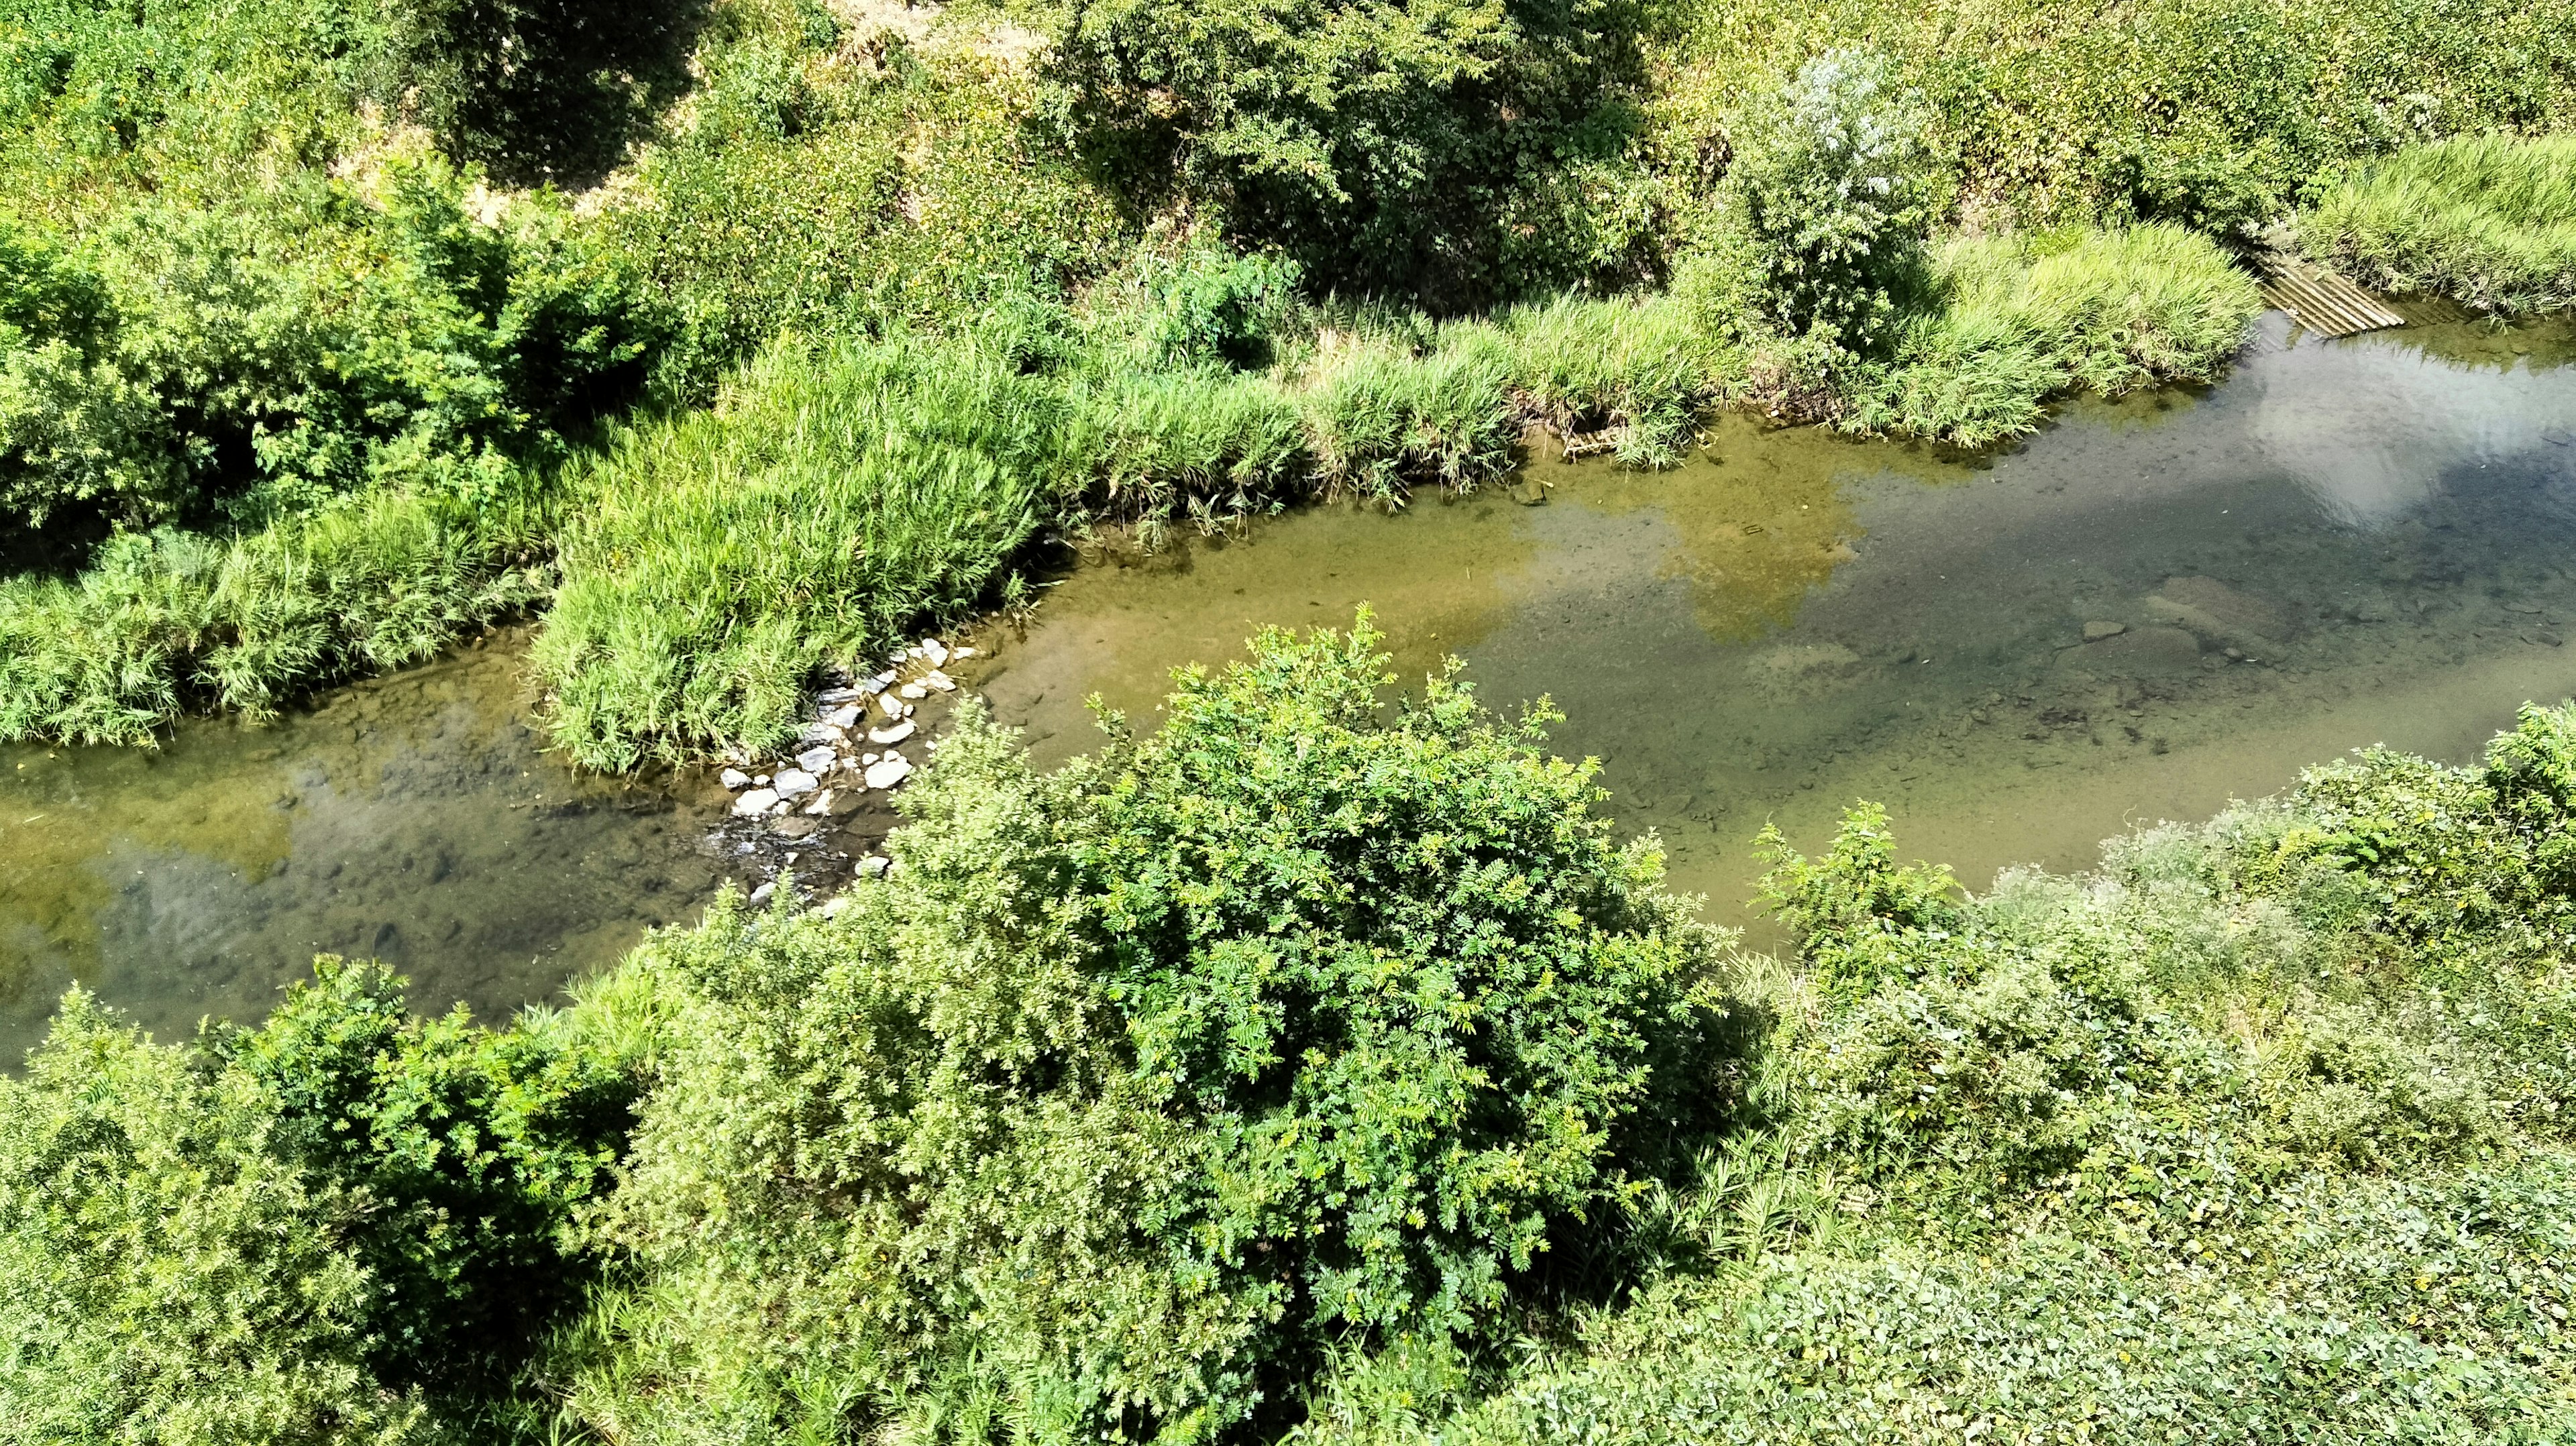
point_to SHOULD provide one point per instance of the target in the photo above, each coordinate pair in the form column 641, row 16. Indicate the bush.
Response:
column 343, row 1225
column 1384, row 147
column 1829, row 197
column 1134, row 1085
column 2489, row 220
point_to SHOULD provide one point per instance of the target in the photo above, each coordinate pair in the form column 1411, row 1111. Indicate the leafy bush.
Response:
column 1381, row 144
column 344, row 1225
column 1829, row 193
column 1134, row 1085
column 2490, row 220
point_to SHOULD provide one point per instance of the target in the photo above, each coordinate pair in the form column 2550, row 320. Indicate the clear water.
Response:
column 2381, row 527
column 412, row 819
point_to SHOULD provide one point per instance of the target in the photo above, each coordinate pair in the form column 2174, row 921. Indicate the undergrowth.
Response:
column 2489, row 220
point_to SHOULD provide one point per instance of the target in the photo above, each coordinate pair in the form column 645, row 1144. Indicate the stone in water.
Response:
column 815, row 760
column 888, row 772
column 794, row 783
column 733, row 778
column 755, row 802
column 894, row 733
column 939, row 680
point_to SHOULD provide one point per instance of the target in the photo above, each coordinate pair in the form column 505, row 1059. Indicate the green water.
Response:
column 2384, row 528
column 413, row 819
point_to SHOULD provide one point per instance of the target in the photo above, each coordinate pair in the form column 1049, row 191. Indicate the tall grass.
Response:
column 2018, row 320
column 2489, row 220
column 833, row 496
column 170, row 618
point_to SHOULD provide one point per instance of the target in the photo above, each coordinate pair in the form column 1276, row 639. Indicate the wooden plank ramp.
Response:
column 2321, row 301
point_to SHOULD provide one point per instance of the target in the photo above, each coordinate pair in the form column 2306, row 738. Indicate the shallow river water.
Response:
column 2344, row 543
column 412, row 818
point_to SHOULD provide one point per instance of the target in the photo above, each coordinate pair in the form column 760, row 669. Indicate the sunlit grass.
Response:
column 2488, row 220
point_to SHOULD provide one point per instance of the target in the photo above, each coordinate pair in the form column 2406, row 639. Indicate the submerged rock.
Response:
column 2095, row 632
column 889, row 771
column 2217, row 613
column 831, row 696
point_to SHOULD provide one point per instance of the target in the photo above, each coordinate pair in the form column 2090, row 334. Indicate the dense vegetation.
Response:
column 1322, row 1065
column 328, row 331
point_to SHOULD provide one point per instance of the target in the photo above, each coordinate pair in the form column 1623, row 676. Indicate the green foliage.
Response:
column 832, row 497
column 1827, row 190
column 169, row 617
column 2215, row 114
column 1386, row 145
column 345, row 1225
column 2016, row 320
column 2488, row 219
column 1134, row 1085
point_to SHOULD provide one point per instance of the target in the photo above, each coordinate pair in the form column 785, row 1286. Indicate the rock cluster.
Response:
column 848, row 750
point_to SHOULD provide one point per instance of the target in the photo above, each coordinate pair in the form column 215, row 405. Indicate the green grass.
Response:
column 2488, row 220
column 2019, row 320
column 169, row 620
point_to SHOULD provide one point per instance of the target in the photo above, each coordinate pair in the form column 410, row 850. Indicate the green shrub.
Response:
column 1136, row 1084
column 1382, row 146
column 1829, row 192
column 2490, row 220
column 343, row 1225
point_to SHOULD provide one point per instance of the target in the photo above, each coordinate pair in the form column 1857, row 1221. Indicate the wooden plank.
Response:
column 2322, row 301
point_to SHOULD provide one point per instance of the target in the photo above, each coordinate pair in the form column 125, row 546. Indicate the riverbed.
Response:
column 2158, row 604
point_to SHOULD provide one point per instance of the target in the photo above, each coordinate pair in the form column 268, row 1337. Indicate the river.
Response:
column 2343, row 543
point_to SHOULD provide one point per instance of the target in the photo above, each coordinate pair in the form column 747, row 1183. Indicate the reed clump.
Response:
column 2487, row 220
column 2018, row 319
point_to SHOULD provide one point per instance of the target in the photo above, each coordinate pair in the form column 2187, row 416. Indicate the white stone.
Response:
column 890, row 705
column 815, row 733
column 821, row 805
column 760, row 780
column 734, row 778
column 815, row 760
column 913, row 690
column 794, row 783
column 895, row 733
column 873, row 865
column 961, row 652
column 894, row 768
column 845, row 716
column 761, row 895
column 755, row 802
column 915, row 651
column 830, row 696
column 937, row 679
column 935, row 650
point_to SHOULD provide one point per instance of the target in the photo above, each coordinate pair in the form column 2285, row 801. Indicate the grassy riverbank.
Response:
column 2489, row 220
column 285, row 290
column 1309, row 1069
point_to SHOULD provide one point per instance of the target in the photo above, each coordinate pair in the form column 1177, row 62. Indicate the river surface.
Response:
column 413, row 818
column 2344, row 543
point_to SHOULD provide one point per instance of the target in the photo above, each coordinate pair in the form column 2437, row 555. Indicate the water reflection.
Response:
column 2158, row 603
